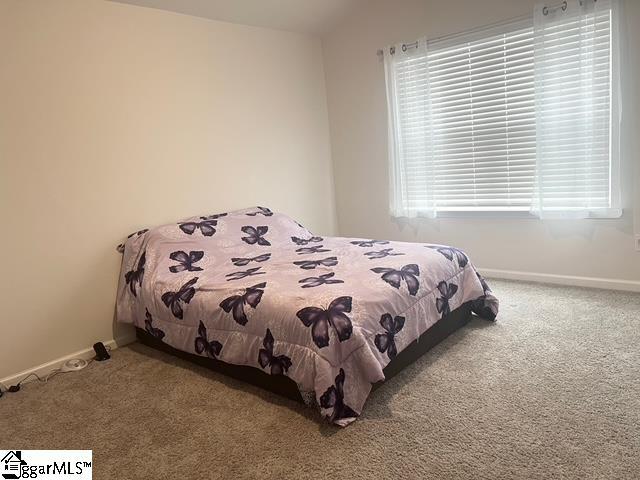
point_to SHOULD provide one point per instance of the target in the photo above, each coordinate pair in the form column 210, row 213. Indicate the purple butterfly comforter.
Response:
column 253, row 287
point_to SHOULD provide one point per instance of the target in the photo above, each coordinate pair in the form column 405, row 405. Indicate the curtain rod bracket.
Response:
column 546, row 10
column 563, row 6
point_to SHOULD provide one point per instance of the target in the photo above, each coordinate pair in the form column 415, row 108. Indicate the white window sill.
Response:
column 610, row 214
column 498, row 214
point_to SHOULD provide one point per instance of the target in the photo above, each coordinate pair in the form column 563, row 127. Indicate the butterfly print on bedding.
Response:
column 203, row 345
column 261, row 211
column 255, row 235
column 279, row 364
column 483, row 282
column 205, row 226
column 319, row 320
column 450, row 253
column 236, row 303
column 480, row 305
column 120, row 248
column 138, row 233
column 386, row 341
column 333, row 397
column 385, row 252
column 174, row 300
column 241, row 262
column 369, row 243
column 134, row 277
column 325, row 279
column 311, row 264
column 408, row 273
column 447, row 290
column 213, row 217
column 313, row 249
column 148, row 326
column 306, row 241
column 243, row 274
column 186, row 261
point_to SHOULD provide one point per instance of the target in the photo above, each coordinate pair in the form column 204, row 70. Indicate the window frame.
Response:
column 503, row 212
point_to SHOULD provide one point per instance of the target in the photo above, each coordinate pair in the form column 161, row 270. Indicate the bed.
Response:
column 322, row 319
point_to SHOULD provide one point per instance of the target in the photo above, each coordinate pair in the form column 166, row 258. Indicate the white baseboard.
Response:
column 86, row 354
column 591, row 282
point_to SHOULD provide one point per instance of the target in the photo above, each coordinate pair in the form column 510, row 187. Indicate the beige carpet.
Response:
column 550, row 391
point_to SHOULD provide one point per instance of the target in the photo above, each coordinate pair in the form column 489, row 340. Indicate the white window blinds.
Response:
column 465, row 121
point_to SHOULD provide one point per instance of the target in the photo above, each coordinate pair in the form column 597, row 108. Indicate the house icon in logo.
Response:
column 11, row 464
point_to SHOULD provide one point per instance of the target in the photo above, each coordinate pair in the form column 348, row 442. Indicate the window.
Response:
column 517, row 117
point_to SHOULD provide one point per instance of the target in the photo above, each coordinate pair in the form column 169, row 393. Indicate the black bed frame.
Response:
column 283, row 385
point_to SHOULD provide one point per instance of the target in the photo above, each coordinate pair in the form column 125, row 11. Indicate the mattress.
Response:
column 254, row 287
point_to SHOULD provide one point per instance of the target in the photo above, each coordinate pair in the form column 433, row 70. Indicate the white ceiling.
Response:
column 304, row 16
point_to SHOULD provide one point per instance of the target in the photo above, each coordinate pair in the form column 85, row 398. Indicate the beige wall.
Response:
column 113, row 118
column 357, row 114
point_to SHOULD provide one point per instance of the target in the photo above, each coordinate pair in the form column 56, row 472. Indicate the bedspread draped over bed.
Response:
column 254, row 287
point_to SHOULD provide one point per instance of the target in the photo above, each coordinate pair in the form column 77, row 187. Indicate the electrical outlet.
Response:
column 638, row 243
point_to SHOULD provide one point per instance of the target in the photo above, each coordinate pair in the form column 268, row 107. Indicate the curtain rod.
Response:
column 450, row 36
column 545, row 11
